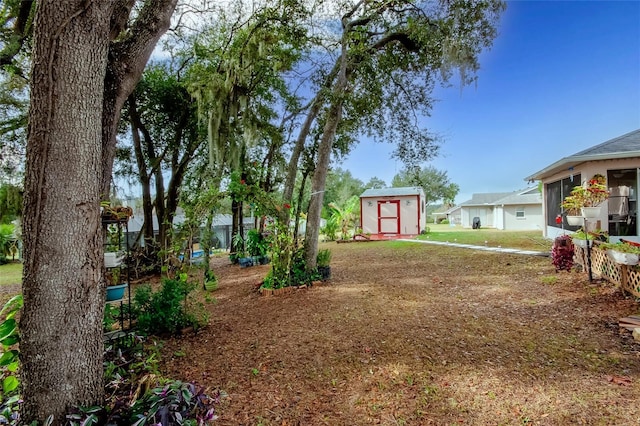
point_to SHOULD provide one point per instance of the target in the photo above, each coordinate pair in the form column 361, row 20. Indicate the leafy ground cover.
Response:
column 416, row 334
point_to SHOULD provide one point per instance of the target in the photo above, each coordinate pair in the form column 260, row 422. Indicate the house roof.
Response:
column 625, row 146
column 525, row 196
column 392, row 192
column 520, row 199
column 485, row 198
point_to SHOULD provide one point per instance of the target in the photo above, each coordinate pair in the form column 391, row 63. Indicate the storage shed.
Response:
column 393, row 211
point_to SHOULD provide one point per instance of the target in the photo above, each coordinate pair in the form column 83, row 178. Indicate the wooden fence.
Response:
column 602, row 266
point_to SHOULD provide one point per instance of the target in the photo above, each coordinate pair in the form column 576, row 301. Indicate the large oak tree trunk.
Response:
column 80, row 80
column 63, row 286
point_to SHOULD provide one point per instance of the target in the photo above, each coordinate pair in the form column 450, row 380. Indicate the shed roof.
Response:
column 625, row 146
column 392, row 192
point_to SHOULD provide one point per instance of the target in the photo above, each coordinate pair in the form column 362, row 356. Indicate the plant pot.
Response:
column 211, row 285
column 591, row 212
column 580, row 243
column 245, row 261
column 325, row 272
column 575, row 220
column 113, row 259
column 116, row 292
column 623, row 258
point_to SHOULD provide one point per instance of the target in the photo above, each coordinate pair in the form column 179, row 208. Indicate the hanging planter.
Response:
column 591, row 212
column 575, row 220
column 585, row 199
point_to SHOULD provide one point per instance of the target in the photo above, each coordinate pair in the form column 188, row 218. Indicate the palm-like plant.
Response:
column 345, row 216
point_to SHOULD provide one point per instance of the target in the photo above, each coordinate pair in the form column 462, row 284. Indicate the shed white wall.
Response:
column 412, row 217
column 369, row 215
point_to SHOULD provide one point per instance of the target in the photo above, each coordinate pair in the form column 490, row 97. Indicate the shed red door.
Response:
column 389, row 217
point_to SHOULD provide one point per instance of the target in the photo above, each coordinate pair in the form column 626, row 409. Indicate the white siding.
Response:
column 532, row 220
column 412, row 218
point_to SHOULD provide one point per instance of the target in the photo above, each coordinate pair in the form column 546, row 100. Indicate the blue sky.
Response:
column 561, row 77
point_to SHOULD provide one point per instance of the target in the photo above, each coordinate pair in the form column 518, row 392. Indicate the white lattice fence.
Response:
column 627, row 277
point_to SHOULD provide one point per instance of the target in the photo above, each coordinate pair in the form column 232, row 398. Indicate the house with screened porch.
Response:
column 617, row 159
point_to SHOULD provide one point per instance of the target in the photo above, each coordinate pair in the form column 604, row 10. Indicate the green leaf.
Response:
column 11, row 340
column 13, row 367
column 9, row 384
column 8, row 357
column 7, row 328
column 14, row 304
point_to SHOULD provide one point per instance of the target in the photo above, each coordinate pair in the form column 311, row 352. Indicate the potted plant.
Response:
column 115, row 213
column 240, row 255
column 257, row 246
column 210, row 281
column 591, row 195
column 622, row 252
column 322, row 263
column 580, row 238
column 572, row 206
column 115, row 288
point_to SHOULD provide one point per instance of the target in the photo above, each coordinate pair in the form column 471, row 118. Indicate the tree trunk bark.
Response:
column 127, row 59
column 316, row 104
column 318, row 183
column 63, row 285
column 143, row 176
column 78, row 87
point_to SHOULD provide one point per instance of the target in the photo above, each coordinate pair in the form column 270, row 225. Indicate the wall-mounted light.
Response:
column 408, row 202
column 369, row 203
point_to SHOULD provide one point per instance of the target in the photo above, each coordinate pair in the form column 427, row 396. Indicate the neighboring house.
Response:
column 512, row 211
column 618, row 160
column 393, row 211
column 222, row 224
column 454, row 215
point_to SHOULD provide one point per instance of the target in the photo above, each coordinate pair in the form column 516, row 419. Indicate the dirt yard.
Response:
column 414, row 334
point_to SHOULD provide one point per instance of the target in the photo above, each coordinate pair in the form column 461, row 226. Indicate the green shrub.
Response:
column 257, row 244
column 298, row 274
column 444, row 221
column 324, row 257
column 165, row 311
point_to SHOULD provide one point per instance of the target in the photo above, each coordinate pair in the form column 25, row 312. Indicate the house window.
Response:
column 554, row 194
column 520, row 212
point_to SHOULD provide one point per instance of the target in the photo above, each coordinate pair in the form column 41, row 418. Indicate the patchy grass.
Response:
column 416, row 334
column 11, row 273
column 525, row 240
